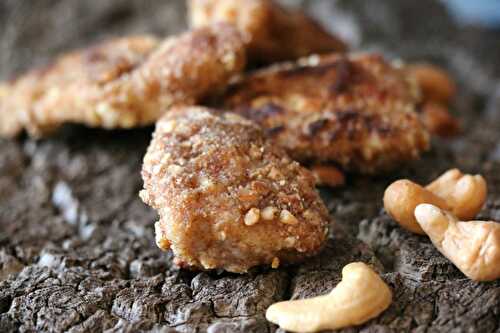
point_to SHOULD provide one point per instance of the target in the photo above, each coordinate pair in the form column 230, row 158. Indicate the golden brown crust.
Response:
column 122, row 83
column 358, row 110
column 228, row 198
column 273, row 33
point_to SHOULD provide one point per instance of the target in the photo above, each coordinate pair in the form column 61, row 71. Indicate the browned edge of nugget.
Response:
column 122, row 83
column 358, row 111
column 439, row 121
column 438, row 90
column 227, row 197
column 273, row 33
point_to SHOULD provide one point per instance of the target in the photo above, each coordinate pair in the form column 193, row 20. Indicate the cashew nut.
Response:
column 463, row 195
column 474, row 246
column 360, row 296
column 401, row 198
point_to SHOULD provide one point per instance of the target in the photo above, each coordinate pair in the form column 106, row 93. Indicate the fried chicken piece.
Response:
column 272, row 32
column 357, row 111
column 122, row 83
column 227, row 197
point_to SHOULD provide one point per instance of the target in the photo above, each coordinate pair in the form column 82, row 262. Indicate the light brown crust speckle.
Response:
column 358, row 110
column 273, row 33
column 122, row 83
column 209, row 175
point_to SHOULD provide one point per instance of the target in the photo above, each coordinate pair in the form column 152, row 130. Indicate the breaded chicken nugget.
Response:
column 357, row 111
column 122, row 83
column 227, row 197
column 23, row 101
column 273, row 33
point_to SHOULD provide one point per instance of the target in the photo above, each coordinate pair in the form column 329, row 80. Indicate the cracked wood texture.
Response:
column 77, row 248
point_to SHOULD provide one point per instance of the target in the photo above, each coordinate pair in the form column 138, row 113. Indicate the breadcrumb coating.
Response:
column 227, row 197
column 273, row 33
column 122, row 83
column 357, row 111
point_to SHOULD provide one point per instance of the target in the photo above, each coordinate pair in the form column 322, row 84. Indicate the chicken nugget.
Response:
column 357, row 111
column 122, row 83
column 226, row 196
column 273, row 33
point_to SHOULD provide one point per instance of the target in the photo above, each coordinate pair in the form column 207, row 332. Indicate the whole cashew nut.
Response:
column 463, row 195
column 474, row 246
column 401, row 198
column 360, row 296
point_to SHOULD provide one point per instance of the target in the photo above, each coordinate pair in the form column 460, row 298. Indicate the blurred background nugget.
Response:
column 273, row 33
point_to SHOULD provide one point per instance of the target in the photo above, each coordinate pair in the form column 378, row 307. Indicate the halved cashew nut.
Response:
column 466, row 194
column 473, row 246
column 360, row 296
column 463, row 195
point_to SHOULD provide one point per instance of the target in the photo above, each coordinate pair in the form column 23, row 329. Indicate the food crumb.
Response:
column 287, row 217
column 252, row 216
column 276, row 263
column 268, row 213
